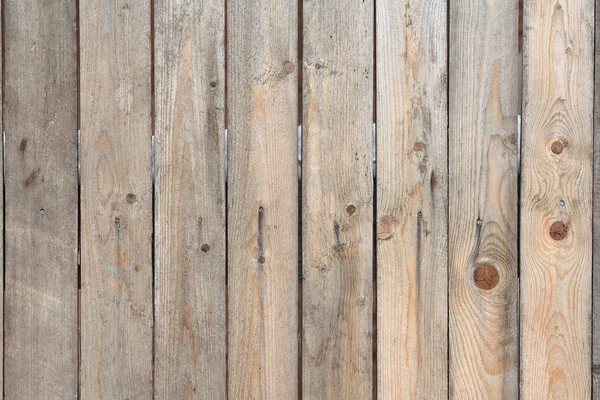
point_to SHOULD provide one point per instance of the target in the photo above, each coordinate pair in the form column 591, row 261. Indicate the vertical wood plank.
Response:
column 116, row 200
column 41, row 199
column 596, row 216
column 262, row 199
column 337, row 199
column 412, row 198
column 556, row 199
column 484, row 104
column 190, row 335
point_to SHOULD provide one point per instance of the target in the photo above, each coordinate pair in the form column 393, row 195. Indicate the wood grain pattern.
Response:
column 596, row 217
column 337, row 221
column 263, row 199
column 556, row 199
column 412, row 198
column 484, row 104
column 190, row 333
column 116, row 200
column 41, row 200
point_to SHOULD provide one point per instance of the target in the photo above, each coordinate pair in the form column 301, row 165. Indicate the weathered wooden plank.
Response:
column 41, row 199
column 484, row 104
column 412, row 196
column 190, row 334
column 556, row 199
column 596, row 217
column 337, row 199
column 116, row 200
column 262, row 199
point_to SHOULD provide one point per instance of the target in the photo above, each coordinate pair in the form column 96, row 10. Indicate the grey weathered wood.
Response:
column 596, row 216
column 41, row 200
column 556, row 199
column 262, row 199
column 116, row 200
column 190, row 333
column 337, row 220
column 484, row 104
column 412, row 198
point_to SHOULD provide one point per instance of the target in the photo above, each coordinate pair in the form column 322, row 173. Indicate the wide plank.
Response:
column 40, row 314
column 556, row 199
column 337, row 200
column 190, row 333
column 412, row 198
column 484, row 104
column 116, row 200
column 262, row 199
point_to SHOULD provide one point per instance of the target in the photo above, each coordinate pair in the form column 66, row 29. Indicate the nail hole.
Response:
column 205, row 247
column 261, row 259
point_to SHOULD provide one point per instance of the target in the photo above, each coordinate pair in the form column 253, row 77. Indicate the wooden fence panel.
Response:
column 263, row 199
column 337, row 220
column 556, row 199
column 116, row 200
column 484, row 104
column 41, row 199
column 412, row 198
column 190, row 333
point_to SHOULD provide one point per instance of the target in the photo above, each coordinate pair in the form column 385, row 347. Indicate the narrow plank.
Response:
column 190, row 334
column 41, row 199
column 116, row 200
column 412, row 199
column 596, row 217
column 556, row 199
column 263, row 199
column 337, row 220
column 484, row 104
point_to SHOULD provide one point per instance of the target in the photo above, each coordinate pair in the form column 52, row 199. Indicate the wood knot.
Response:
column 385, row 229
column 558, row 230
column 486, row 277
column 288, row 67
column 350, row 209
column 205, row 247
column 557, row 147
column 23, row 145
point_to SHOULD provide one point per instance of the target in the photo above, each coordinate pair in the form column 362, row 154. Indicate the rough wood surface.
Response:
column 556, row 199
column 116, row 200
column 41, row 200
column 412, row 196
column 484, row 104
column 337, row 221
column 263, row 199
column 190, row 335
column 596, row 216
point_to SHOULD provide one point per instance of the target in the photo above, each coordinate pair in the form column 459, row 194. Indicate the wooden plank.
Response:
column 412, row 196
column 41, row 199
column 596, row 217
column 484, row 104
column 337, row 220
column 263, row 199
column 556, row 199
column 116, row 200
column 190, row 334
